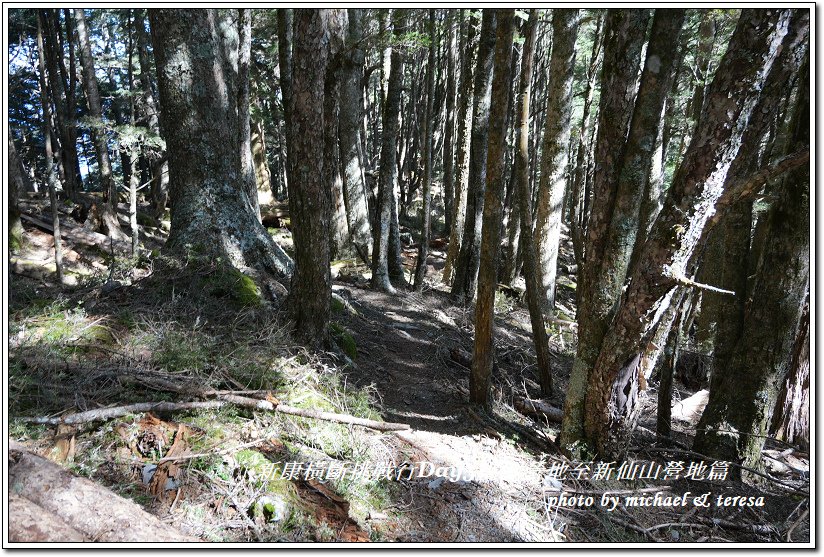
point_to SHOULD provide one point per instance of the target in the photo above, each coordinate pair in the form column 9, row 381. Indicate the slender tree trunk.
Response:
column 101, row 147
column 466, row 268
column 355, row 192
column 579, row 176
column 611, row 398
column 51, row 172
column 449, row 131
column 465, row 103
column 740, row 406
column 247, row 167
column 209, row 210
column 534, row 292
column 387, row 180
column 484, row 351
column 554, row 154
column 285, row 24
column 423, row 248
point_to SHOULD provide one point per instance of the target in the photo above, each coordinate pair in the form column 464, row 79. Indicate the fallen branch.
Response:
column 221, row 401
column 539, row 408
column 80, row 235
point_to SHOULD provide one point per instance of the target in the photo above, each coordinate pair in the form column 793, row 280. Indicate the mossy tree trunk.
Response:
column 555, row 152
column 741, row 402
column 210, row 210
column 611, row 397
column 17, row 184
column 624, row 34
column 484, row 348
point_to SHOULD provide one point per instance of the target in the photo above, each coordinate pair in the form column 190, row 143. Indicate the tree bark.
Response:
column 210, row 213
column 450, row 125
column 484, row 350
column 554, row 153
column 466, row 268
column 285, row 31
column 428, row 135
column 611, row 403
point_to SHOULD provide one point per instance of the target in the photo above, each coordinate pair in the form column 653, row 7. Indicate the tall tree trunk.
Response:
column 611, row 398
column 484, row 350
column 466, row 268
column 534, row 291
column 318, row 37
column 355, row 192
column 465, row 103
column 101, row 147
column 423, row 248
column 387, row 208
column 51, row 171
column 740, row 406
column 247, row 167
column 579, row 176
column 285, row 30
column 624, row 36
column 554, row 154
column 209, row 210
column 453, row 18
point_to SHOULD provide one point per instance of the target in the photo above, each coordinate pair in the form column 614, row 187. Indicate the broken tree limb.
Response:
column 83, row 506
column 80, row 235
column 221, row 401
column 539, row 408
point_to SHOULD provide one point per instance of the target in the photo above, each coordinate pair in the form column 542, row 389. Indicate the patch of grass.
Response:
column 344, row 339
column 175, row 351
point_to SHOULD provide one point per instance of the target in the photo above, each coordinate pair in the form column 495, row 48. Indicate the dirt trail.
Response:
column 403, row 344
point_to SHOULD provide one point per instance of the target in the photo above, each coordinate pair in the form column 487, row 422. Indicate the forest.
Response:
column 447, row 275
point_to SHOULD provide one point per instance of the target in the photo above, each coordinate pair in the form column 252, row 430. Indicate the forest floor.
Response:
column 151, row 330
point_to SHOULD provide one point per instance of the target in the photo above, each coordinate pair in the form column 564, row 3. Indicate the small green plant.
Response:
column 344, row 339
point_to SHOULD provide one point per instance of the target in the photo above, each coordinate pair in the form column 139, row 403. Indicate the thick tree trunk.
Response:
column 101, row 147
column 209, row 209
column 426, row 217
column 465, row 103
column 318, row 37
column 383, row 249
column 624, row 36
column 554, row 153
column 741, row 404
column 534, row 290
column 610, row 402
column 484, row 350
column 355, row 192
column 466, row 267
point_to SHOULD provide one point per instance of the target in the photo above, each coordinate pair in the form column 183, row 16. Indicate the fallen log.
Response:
column 82, row 506
column 80, row 235
column 31, row 523
column 532, row 407
column 221, row 400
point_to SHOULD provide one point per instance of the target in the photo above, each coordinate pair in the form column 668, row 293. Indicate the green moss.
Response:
column 337, row 306
column 344, row 339
column 228, row 281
